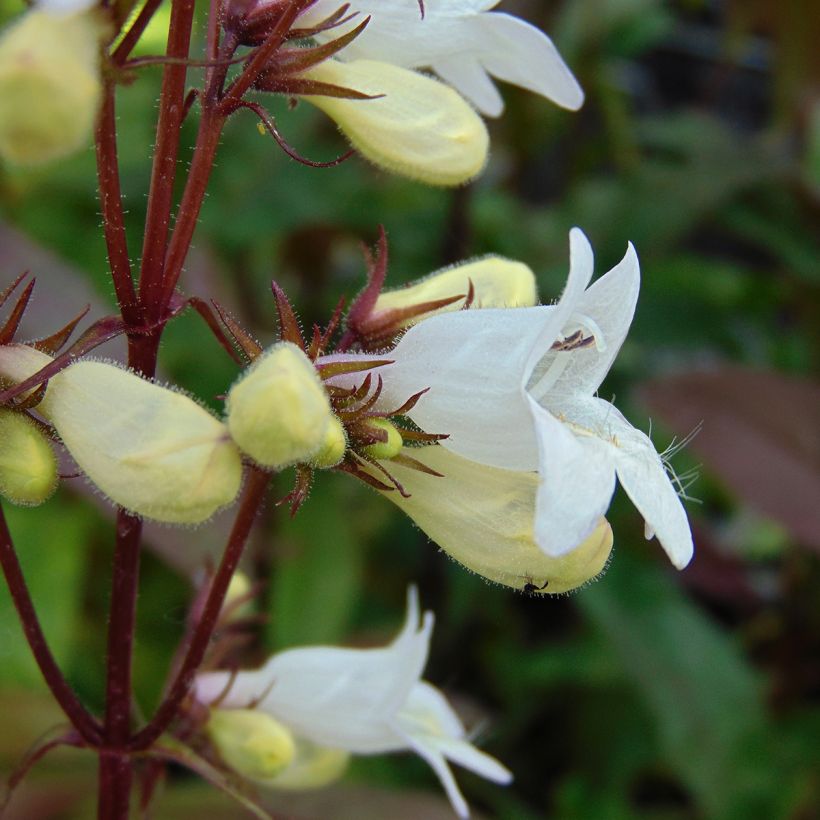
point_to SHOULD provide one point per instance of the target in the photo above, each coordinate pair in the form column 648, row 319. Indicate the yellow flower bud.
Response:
column 49, row 84
column 334, row 446
column 151, row 450
column 239, row 599
column 497, row 283
column 483, row 517
column 254, row 744
column 278, row 412
column 384, row 449
column 28, row 468
column 419, row 128
column 313, row 767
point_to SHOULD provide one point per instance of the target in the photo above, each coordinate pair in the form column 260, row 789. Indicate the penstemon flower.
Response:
column 463, row 42
column 363, row 701
column 515, row 389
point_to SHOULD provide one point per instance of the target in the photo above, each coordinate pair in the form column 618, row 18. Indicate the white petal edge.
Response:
column 642, row 475
column 519, row 53
column 610, row 302
column 577, row 483
column 468, row 77
column 581, row 266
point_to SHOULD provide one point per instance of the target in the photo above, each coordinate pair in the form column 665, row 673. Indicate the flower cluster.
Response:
column 460, row 398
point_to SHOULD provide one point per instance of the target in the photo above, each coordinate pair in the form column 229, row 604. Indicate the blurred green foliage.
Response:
column 650, row 694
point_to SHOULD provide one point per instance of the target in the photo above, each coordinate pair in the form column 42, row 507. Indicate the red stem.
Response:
column 207, row 143
column 115, row 768
column 133, row 34
column 82, row 721
column 252, row 498
column 108, row 177
column 166, row 151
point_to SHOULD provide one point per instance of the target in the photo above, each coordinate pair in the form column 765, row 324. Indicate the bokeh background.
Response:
column 649, row 694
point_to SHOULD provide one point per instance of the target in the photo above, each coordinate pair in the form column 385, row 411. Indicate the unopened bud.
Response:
column 334, row 447
column 384, row 449
column 495, row 282
column 278, row 412
column 49, row 84
column 150, row 449
column 416, row 126
column 313, row 767
column 28, row 468
column 254, row 744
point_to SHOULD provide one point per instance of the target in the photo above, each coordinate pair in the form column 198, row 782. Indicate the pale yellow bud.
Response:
column 419, row 128
column 254, row 744
column 279, row 412
column 152, row 450
column 28, row 468
column 334, row 446
column 497, row 283
column 239, row 598
column 313, row 767
column 484, row 517
column 49, row 84
column 384, row 449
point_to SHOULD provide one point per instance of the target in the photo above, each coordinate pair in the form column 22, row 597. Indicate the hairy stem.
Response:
column 200, row 638
column 166, row 151
column 108, row 178
column 207, row 142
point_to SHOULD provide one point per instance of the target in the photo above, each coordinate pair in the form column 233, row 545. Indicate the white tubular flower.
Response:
column 151, row 450
column 515, row 389
column 463, row 42
column 364, row 701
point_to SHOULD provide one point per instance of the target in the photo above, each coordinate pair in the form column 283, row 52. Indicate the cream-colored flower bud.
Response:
column 384, row 449
column 151, row 450
column 313, row 767
column 254, row 744
column 279, row 412
column 419, row 128
column 28, row 468
column 497, row 283
column 334, row 446
column 49, row 84
column 484, row 518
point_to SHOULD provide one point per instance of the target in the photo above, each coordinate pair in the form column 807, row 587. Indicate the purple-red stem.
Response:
column 131, row 37
column 115, row 765
column 252, row 498
column 108, row 179
column 207, row 142
column 82, row 721
column 166, row 152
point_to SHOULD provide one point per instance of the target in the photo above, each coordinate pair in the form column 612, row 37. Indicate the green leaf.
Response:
column 704, row 698
column 318, row 571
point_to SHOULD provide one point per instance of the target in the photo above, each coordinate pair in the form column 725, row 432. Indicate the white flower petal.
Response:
column 462, row 43
column 428, row 712
column 519, row 53
column 577, row 482
column 581, row 265
column 472, row 362
column 610, row 305
column 429, row 752
column 469, row 78
column 641, row 473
